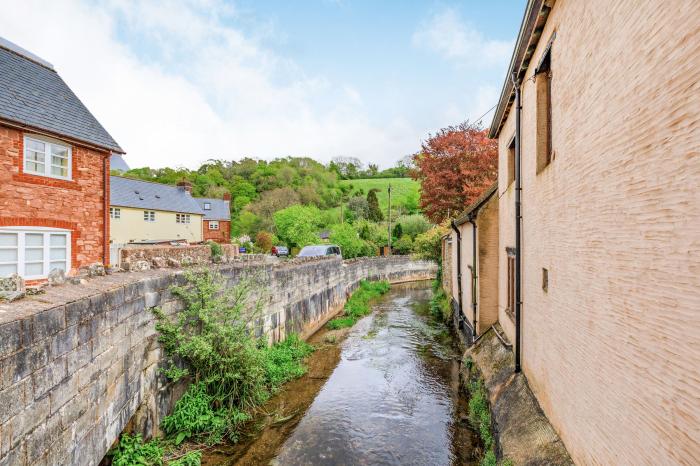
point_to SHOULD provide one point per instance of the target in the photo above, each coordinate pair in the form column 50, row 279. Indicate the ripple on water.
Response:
column 390, row 399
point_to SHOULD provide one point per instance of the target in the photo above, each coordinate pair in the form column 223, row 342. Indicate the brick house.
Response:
column 54, row 172
column 599, row 224
column 217, row 218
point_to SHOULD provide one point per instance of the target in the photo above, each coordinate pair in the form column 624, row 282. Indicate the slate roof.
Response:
column 220, row 209
column 474, row 207
column 117, row 162
column 125, row 192
column 34, row 95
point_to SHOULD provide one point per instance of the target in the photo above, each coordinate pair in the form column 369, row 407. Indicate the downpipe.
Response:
column 474, row 276
column 518, row 221
column 459, row 266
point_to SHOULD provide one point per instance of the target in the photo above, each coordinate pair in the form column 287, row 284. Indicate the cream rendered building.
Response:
column 141, row 211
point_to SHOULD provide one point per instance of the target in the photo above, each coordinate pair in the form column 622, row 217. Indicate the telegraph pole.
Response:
column 389, row 218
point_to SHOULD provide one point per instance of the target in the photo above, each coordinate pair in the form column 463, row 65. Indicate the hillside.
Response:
column 402, row 189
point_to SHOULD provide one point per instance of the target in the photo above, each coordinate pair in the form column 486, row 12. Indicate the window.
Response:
column 45, row 157
column 182, row 218
column 543, row 83
column 149, row 216
column 545, row 280
column 511, row 285
column 115, row 212
column 213, row 225
column 511, row 161
column 207, row 206
column 33, row 253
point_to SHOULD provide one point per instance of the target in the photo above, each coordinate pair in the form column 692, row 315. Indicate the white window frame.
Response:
column 212, row 223
column 48, row 157
column 207, row 206
column 115, row 213
column 149, row 216
column 21, row 249
column 182, row 218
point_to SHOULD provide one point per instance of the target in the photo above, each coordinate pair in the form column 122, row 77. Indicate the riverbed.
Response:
column 383, row 392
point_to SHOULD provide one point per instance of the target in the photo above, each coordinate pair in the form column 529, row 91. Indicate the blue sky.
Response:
column 180, row 81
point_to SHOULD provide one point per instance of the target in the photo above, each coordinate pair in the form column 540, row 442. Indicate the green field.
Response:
column 400, row 188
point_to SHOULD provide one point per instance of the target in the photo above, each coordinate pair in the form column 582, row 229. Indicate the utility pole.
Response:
column 389, row 218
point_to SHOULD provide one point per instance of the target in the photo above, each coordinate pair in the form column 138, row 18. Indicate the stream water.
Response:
column 385, row 392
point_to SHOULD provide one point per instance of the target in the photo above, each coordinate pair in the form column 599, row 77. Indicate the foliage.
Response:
column 440, row 305
column 351, row 245
column 455, row 166
column 348, row 168
column 397, row 232
column 191, row 458
column 373, row 212
column 132, row 451
column 263, row 240
column 297, row 225
column 358, row 207
column 403, row 245
column 414, row 225
column 358, row 305
column 401, row 189
column 216, row 251
column 428, row 245
column 232, row 371
column 372, row 232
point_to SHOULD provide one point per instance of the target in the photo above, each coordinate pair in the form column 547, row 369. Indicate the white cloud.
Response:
column 447, row 34
column 175, row 84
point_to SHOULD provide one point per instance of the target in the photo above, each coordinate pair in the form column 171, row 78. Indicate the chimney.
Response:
column 185, row 185
column 227, row 196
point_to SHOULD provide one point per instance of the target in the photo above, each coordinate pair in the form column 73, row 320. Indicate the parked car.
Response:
column 318, row 250
column 280, row 251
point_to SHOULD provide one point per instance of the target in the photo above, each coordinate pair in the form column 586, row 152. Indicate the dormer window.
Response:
column 46, row 157
column 207, row 206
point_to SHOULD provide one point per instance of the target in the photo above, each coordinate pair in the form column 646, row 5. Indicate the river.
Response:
column 386, row 392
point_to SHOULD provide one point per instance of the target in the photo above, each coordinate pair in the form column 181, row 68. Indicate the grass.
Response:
column 400, row 189
column 358, row 305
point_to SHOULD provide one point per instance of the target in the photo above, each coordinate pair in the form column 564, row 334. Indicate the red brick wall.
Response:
column 222, row 235
column 76, row 205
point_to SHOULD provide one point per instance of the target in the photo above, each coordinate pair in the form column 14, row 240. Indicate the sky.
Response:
column 178, row 82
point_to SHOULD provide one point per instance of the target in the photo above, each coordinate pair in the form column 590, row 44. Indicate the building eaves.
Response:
column 534, row 19
column 474, row 207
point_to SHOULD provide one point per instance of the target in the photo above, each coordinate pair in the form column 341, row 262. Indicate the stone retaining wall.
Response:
column 80, row 362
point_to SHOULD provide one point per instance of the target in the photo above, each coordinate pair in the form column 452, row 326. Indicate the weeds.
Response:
column 132, row 451
column 480, row 419
column 191, row 458
column 358, row 305
column 440, row 305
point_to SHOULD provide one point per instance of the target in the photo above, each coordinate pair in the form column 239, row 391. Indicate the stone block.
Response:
column 152, row 299
column 14, row 457
column 19, row 426
column 79, row 357
column 78, row 311
column 10, row 337
column 49, row 376
column 39, row 441
column 57, row 277
column 62, row 393
column 64, row 341
column 48, row 323
column 12, row 400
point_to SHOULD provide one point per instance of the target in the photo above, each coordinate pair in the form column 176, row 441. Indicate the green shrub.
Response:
column 358, row 305
column 403, row 245
column 283, row 361
column 440, row 305
column 216, row 251
column 132, row 451
column 191, row 458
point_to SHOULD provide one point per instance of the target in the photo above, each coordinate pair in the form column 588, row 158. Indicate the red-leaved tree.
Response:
column 454, row 167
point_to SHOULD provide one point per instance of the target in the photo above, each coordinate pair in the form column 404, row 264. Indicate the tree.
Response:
column 359, row 208
column 351, row 245
column 297, row 225
column 248, row 223
column 398, row 231
column 374, row 213
column 263, row 240
column 454, row 167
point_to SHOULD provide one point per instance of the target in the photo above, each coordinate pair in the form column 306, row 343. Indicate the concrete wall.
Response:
column 132, row 227
column 74, row 372
column 612, row 349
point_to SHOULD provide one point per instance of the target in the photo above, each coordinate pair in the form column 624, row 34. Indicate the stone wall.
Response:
column 133, row 257
column 74, row 372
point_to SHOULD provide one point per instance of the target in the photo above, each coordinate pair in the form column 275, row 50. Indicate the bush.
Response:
column 428, row 245
column 358, row 305
column 403, row 245
column 263, row 240
column 413, row 225
column 216, row 251
column 440, row 306
column 233, row 371
column 132, row 451
column 351, row 245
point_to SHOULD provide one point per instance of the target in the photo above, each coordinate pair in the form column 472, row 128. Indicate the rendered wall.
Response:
column 132, row 227
column 74, row 372
column 612, row 349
